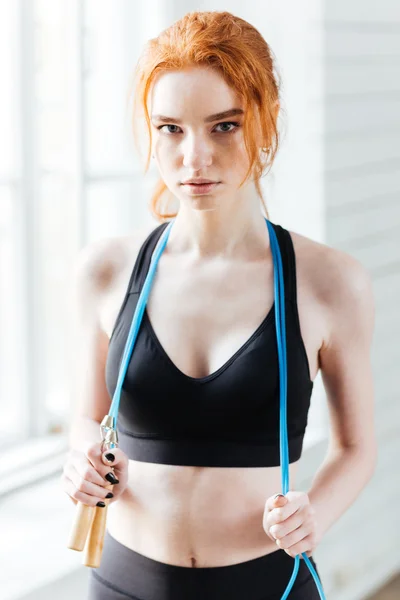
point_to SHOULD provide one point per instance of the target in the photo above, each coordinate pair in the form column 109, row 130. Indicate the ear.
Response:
column 276, row 110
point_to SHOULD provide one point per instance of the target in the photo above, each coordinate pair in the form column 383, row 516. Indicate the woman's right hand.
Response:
column 84, row 475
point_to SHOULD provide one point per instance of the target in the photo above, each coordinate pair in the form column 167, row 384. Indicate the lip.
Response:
column 200, row 180
column 199, row 189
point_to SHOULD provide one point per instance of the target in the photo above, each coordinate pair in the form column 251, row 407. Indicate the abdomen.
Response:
column 202, row 516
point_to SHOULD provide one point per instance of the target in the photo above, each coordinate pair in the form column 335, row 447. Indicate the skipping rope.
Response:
column 279, row 295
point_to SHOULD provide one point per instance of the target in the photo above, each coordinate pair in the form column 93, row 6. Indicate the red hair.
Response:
column 239, row 53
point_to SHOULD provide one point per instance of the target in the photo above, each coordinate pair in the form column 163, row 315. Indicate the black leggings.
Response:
column 124, row 573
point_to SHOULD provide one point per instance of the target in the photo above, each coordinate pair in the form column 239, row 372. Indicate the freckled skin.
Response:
column 198, row 516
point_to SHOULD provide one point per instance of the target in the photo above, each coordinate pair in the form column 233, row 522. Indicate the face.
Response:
column 195, row 140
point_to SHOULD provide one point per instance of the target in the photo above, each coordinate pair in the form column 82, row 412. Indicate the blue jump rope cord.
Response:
column 281, row 342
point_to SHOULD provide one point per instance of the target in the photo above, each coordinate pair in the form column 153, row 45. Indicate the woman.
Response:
column 194, row 512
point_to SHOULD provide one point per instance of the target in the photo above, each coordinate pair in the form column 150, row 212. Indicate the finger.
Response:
column 80, row 496
column 84, row 460
column 63, row 486
column 271, row 535
column 270, row 518
column 120, row 463
column 94, row 456
column 95, row 473
column 294, row 537
column 276, row 501
column 85, row 486
column 291, row 524
column 301, row 546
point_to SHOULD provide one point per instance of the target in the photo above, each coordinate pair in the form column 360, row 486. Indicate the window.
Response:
column 68, row 175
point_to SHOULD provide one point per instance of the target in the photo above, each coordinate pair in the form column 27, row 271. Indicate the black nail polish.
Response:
column 111, row 478
column 100, row 504
column 110, row 457
column 110, row 495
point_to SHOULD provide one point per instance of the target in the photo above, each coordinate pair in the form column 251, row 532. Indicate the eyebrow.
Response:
column 221, row 115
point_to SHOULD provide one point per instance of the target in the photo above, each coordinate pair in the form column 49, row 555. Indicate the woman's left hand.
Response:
column 291, row 522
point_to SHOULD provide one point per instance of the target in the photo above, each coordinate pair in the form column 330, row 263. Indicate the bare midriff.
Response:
column 196, row 516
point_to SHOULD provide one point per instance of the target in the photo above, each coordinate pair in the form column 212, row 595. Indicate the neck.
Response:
column 239, row 231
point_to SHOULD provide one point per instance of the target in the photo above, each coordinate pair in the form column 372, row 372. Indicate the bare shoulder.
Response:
column 338, row 281
column 101, row 263
column 344, row 291
column 103, row 270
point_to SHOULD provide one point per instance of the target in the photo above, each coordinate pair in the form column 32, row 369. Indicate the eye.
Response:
column 162, row 126
column 234, row 123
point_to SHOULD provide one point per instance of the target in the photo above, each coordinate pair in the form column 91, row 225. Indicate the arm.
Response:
column 98, row 269
column 347, row 376
column 88, row 347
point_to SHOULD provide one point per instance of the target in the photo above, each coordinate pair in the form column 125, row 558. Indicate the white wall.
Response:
column 336, row 179
column 362, row 189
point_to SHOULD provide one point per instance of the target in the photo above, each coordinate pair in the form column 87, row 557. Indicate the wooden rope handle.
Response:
column 90, row 521
column 81, row 526
column 86, row 529
column 95, row 539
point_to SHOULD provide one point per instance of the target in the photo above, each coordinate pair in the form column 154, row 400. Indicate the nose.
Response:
column 197, row 153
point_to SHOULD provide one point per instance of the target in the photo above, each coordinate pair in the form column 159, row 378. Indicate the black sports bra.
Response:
column 229, row 418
